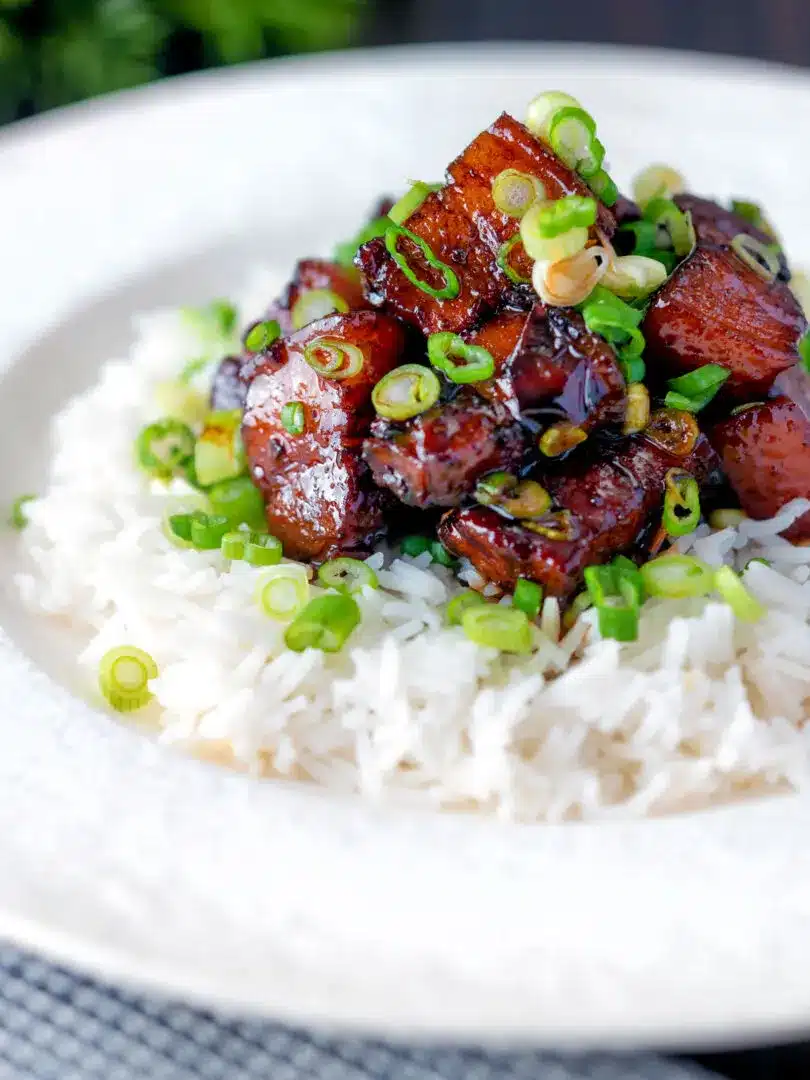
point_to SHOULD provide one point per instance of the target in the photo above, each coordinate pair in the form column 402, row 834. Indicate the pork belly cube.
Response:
column 312, row 274
column 608, row 502
column 466, row 232
column 717, row 310
column 319, row 495
column 437, row 458
column 765, row 451
column 715, row 226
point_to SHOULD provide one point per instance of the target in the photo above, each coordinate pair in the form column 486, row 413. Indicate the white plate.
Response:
column 130, row 860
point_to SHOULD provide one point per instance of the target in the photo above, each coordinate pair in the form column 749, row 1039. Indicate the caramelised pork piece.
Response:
column 461, row 235
column 715, row 226
column 765, row 451
column 602, row 508
column 319, row 277
column 320, row 499
column 436, row 458
column 558, row 370
column 717, row 310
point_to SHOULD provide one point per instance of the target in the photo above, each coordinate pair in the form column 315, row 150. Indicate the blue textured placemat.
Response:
column 56, row 1025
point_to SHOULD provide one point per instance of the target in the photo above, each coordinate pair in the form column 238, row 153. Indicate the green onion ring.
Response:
column 604, row 187
column 527, row 597
column 678, row 223
column 674, row 430
column 757, row 256
column 347, row 575
column 677, row 577
column 439, row 554
column 681, row 503
column 411, row 201
column 572, row 136
column 262, row 335
column 521, row 499
column 745, row 606
column 696, row 389
column 476, row 363
column 314, row 304
column 451, row 287
column 513, row 192
column 559, row 216
column 239, row 501
column 17, row 518
column 325, row 623
column 454, row 612
column 405, row 392
column 293, row 417
column 124, row 675
column 341, row 360
column 497, row 627
column 414, row 545
column 164, row 447
column 502, row 260
column 283, row 591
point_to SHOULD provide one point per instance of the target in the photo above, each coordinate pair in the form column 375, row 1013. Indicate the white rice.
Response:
column 701, row 709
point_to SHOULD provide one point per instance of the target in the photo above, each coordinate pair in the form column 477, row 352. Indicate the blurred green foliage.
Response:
column 56, row 51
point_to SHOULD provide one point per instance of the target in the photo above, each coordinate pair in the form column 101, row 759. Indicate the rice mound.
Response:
column 701, row 709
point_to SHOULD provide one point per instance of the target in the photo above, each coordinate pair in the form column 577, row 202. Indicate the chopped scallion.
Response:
column 239, row 501
column 759, row 257
column 414, row 545
column 293, row 417
column 411, row 201
column 497, row 627
column 17, row 517
column 405, row 392
column 460, row 362
column 696, row 389
column 572, row 136
column 124, row 674
column 527, row 597
column 334, row 359
column 439, row 554
column 163, row 448
column 454, row 612
column 325, row 623
column 314, row 304
column 677, row 577
column 681, row 503
column 513, row 192
column 347, row 575
column 262, row 335
column 283, row 591
column 451, row 287
column 743, row 603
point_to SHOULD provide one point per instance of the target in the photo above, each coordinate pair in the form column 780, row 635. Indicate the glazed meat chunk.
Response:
column 603, row 508
column 717, row 310
column 765, row 451
column 318, row 276
column 436, row 458
column 460, row 234
column 319, row 496
column 715, row 226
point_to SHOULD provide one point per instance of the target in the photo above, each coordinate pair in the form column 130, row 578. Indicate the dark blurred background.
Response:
column 56, row 51
column 53, row 52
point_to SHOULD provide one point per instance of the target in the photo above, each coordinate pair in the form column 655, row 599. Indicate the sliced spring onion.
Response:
column 726, row 518
column 665, row 214
column 754, row 213
column 514, row 192
column 681, row 503
column 572, row 136
column 163, row 448
column 555, row 249
column 674, row 430
column 334, row 359
column 233, row 545
column 677, row 577
column 604, row 187
column 124, row 674
column 571, row 281
column 696, row 389
column 557, row 526
column 637, row 410
column 744, row 605
column 504, row 254
column 759, row 257
column 633, row 370
column 217, row 319
column 541, row 110
column 414, row 545
column 17, row 517
column 522, row 499
column 219, row 453
column 262, row 335
column 405, row 392
column 283, row 591
column 803, row 348
column 615, row 321
column 657, row 182
column 560, row 438
column 454, row 612
column 645, row 234
column 527, row 597
column 552, row 219
column 179, row 401
column 325, row 623
column 294, row 417
column 634, row 277
column 207, row 530
column 177, row 527
column 616, row 596
column 474, row 363
column 239, row 501
column 498, row 627
column 581, row 602
column 439, row 554
column 314, row 304
column 347, row 575
column 411, row 201
column 261, row 549
column 345, row 252
column 451, row 287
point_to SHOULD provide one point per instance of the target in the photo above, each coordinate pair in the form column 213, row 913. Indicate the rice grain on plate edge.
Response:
column 703, row 708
